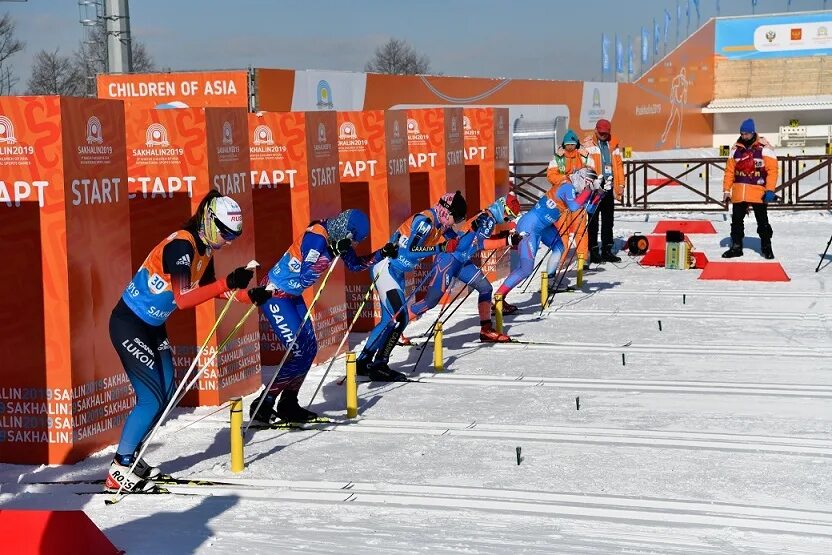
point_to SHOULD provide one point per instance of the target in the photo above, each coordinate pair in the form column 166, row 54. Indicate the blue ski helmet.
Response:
column 352, row 223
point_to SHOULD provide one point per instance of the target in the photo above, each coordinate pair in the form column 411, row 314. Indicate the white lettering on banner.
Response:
column 454, row 157
column 475, row 153
column 323, row 176
column 501, row 153
column 357, row 168
column 419, row 160
column 397, row 166
column 230, row 183
column 217, row 87
column 278, row 177
column 153, row 187
column 91, row 191
column 21, row 191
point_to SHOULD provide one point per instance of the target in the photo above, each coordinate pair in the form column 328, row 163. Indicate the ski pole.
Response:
column 294, row 340
column 824, row 254
column 174, row 398
column 344, row 339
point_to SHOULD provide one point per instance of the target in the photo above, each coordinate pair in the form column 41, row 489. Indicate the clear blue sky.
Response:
column 522, row 38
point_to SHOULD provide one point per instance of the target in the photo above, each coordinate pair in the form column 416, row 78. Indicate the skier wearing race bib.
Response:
column 306, row 260
column 178, row 273
column 477, row 235
column 420, row 236
column 538, row 225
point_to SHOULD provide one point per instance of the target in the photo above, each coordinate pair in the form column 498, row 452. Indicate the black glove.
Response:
column 239, row 278
column 390, row 250
column 514, row 239
column 340, row 247
column 259, row 295
column 505, row 234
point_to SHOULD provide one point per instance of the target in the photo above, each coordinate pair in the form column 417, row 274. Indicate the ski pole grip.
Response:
column 237, row 460
column 438, row 363
column 352, row 388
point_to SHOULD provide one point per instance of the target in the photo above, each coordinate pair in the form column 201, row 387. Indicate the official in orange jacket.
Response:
column 750, row 178
column 605, row 152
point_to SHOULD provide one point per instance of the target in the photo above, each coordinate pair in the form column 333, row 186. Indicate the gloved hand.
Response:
column 727, row 196
column 340, row 247
column 449, row 245
column 259, row 295
column 597, row 184
column 514, row 239
column 239, row 278
column 769, row 196
column 390, row 250
column 591, row 207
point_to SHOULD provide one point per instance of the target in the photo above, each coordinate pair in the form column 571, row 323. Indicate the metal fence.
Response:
column 805, row 182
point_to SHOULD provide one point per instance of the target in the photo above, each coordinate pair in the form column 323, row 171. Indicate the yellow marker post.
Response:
column 544, row 289
column 237, row 460
column 438, row 363
column 352, row 388
column 498, row 312
column 580, row 280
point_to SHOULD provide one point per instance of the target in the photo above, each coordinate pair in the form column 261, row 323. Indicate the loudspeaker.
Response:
column 638, row 245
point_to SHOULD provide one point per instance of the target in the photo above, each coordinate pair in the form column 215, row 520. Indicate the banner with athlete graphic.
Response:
column 66, row 259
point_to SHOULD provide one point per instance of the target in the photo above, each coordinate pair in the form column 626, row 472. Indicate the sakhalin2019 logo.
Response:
column 227, row 133
column 156, row 135
column 95, row 135
column 324, row 96
column 263, row 136
column 7, row 131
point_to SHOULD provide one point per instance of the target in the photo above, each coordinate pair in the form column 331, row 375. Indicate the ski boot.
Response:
column 405, row 341
column 362, row 365
column 608, row 255
column 266, row 414
column 768, row 254
column 146, row 471
column 120, row 477
column 595, row 256
column 733, row 252
column 289, row 410
column 508, row 308
column 379, row 371
column 489, row 335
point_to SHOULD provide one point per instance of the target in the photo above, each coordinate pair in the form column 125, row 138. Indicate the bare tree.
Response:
column 397, row 57
column 55, row 74
column 9, row 45
column 91, row 57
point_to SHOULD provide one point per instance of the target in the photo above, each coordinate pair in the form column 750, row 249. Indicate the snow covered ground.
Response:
column 715, row 437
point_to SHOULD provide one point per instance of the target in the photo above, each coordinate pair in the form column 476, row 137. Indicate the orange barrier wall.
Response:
column 195, row 89
column 66, row 259
column 363, row 173
column 174, row 158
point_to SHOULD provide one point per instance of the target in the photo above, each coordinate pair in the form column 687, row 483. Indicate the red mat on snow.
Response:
column 745, row 271
column 685, row 226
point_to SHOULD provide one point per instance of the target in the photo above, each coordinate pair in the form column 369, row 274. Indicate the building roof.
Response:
column 769, row 104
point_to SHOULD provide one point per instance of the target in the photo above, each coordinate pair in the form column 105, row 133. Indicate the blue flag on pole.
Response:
column 656, row 37
column 645, row 48
column 698, row 15
column 630, row 70
column 605, row 54
column 678, row 20
column 667, row 20
column 717, row 8
column 619, row 55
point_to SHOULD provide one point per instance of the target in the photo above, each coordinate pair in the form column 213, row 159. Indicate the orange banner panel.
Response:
column 195, row 89
column 63, row 203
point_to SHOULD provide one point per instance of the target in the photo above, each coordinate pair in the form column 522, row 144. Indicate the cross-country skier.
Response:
column 421, row 235
column 178, row 273
column 538, row 225
column 475, row 236
column 306, row 260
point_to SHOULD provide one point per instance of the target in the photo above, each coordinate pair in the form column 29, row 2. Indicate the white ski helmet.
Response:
column 583, row 178
column 222, row 218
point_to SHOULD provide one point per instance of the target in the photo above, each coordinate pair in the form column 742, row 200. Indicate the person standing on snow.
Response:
column 603, row 148
column 750, row 178
column 475, row 236
column 537, row 225
column 568, row 159
column 178, row 273
column 305, row 261
column 421, row 235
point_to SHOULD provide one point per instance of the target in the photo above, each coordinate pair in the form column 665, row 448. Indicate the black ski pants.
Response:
column 740, row 209
column 606, row 212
